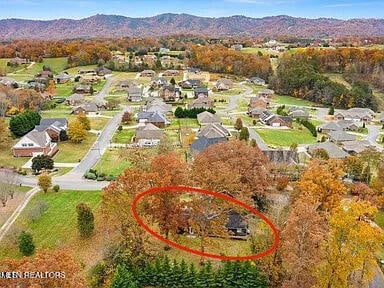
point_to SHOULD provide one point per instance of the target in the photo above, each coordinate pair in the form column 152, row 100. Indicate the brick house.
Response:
column 34, row 143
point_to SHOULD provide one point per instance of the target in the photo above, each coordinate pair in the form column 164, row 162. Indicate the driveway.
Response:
column 373, row 136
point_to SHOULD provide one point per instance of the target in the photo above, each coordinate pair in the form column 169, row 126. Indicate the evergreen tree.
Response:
column 85, row 220
column 123, row 279
column 25, row 242
column 244, row 134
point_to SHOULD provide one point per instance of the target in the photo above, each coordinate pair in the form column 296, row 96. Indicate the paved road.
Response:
column 100, row 96
column 373, row 136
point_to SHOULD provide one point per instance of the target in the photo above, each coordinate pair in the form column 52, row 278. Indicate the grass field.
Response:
column 56, row 227
column 183, row 123
column 71, row 153
column 73, row 70
column 286, row 138
column 98, row 123
column 288, row 100
column 65, row 89
column 111, row 163
column 9, row 69
column 123, row 136
column 7, row 159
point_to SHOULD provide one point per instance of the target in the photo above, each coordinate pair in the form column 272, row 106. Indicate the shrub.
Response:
column 110, row 178
column 85, row 220
column 100, row 178
column 25, row 242
column 90, row 175
column 56, row 188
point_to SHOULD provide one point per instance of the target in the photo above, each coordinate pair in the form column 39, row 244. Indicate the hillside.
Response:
column 168, row 24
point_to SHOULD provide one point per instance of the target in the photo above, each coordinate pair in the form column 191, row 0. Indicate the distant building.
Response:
column 134, row 94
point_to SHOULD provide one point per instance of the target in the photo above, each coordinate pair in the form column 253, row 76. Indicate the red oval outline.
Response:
column 215, row 194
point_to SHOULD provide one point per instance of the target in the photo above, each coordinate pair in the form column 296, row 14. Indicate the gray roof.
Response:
column 331, row 126
column 332, row 149
column 88, row 107
column 214, row 130
column 156, row 116
column 341, row 136
column 63, row 75
column 356, row 146
column 207, row 117
column 345, row 124
column 56, row 123
column 202, row 143
column 149, row 131
column 134, row 91
column 225, row 81
column 201, row 90
column 40, row 138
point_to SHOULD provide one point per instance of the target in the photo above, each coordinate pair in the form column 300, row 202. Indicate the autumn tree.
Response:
column 25, row 242
column 85, row 220
column 354, row 167
column 244, row 134
column 304, row 230
column 4, row 134
column 44, row 182
column 68, row 270
column 230, row 168
column 238, row 124
column 76, row 131
column 320, row 183
column 84, row 120
column 350, row 246
column 127, row 117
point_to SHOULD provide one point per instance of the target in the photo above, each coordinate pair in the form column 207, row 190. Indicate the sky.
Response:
column 77, row 9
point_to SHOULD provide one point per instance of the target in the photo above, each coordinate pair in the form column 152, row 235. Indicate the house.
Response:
column 53, row 126
column 213, row 130
column 356, row 114
column 355, row 147
column 6, row 81
column 102, row 71
column 332, row 149
column 156, row 118
column 34, row 143
column 267, row 93
column 200, row 92
column 148, row 135
column 298, row 113
column 82, row 89
column 171, row 72
column 147, row 73
column 134, row 94
column 237, row 225
column 348, row 125
column 170, row 93
column 206, row 117
column 256, row 112
column 86, row 71
column 157, row 105
column 201, row 102
column 87, row 78
column 256, row 80
column 270, row 119
column 75, row 99
column 194, row 70
column 223, row 84
column 203, row 142
column 190, row 83
column 340, row 136
column 62, row 78
column 87, row 108
column 328, row 127
column 44, row 74
column 260, row 102
column 123, row 85
column 157, row 82
column 237, row 47
column 18, row 61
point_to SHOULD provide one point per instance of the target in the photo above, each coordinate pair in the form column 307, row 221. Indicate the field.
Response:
column 71, row 153
column 56, row 227
column 286, row 138
column 123, row 136
column 98, row 123
column 7, row 159
column 288, row 100
column 183, row 123
column 111, row 163
column 73, row 70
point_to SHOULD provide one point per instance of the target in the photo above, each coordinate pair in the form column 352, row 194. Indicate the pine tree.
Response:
column 25, row 242
column 85, row 220
column 123, row 279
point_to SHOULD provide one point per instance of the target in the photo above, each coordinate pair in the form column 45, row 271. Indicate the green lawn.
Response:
column 288, row 100
column 9, row 69
column 57, row 64
column 71, row 153
column 98, row 123
column 57, row 225
column 111, row 163
column 73, row 70
column 7, row 159
column 177, row 123
column 123, row 136
column 286, row 138
column 65, row 89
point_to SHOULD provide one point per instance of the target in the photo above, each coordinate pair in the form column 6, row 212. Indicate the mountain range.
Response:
column 169, row 24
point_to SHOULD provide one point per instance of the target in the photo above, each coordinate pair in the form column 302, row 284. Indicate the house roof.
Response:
column 201, row 90
column 258, row 98
column 149, row 131
column 134, row 90
column 225, row 81
column 39, row 137
column 236, row 221
column 76, row 97
column 341, row 136
column 148, row 72
column 299, row 113
column 207, row 117
column 332, row 126
column 55, row 123
column 154, row 117
column 63, row 75
column 266, row 91
column 356, row 146
column 213, row 130
column 202, row 143
column 332, row 149
column 345, row 124
column 201, row 102
column 88, row 107
column 159, row 79
column 256, row 79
